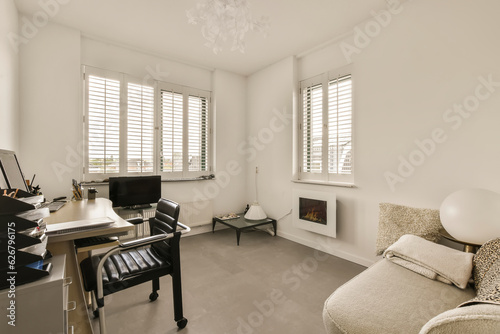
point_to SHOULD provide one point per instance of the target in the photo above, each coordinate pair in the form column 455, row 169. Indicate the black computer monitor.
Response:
column 134, row 191
column 13, row 177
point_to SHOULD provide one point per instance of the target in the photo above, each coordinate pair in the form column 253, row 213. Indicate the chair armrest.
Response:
column 136, row 220
column 185, row 228
column 144, row 241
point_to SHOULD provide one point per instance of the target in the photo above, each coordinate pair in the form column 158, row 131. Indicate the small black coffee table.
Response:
column 239, row 224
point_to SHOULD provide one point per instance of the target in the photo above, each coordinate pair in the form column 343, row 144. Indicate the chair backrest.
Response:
column 164, row 221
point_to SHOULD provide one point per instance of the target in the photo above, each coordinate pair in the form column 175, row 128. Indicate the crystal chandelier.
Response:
column 226, row 19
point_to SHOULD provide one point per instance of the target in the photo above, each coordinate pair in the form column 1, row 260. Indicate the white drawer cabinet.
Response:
column 41, row 306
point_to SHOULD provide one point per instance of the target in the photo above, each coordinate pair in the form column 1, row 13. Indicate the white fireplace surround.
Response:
column 330, row 229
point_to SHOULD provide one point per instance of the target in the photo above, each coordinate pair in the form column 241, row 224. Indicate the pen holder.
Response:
column 91, row 193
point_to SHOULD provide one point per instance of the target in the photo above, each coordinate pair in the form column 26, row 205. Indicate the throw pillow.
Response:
column 486, row 274
column 398, row 220
column 487, row 255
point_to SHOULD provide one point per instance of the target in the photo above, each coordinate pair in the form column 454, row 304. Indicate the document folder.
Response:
column 78, row 225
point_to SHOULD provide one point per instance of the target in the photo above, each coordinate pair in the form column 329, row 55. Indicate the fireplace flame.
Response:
column 312, row 215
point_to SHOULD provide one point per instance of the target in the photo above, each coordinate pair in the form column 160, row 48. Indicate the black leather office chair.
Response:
column 136, row 264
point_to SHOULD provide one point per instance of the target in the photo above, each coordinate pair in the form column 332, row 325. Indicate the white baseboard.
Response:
column 204, row 229
column 335, row 252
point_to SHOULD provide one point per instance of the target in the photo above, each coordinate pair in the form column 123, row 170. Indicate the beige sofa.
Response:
column 389, row 298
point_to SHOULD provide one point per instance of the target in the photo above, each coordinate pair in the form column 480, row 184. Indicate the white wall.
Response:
column 51, row 145
column 425, row 58
column 269, row 139
column 52, row 113
column 229, row 96
column 9, row 76
column 51, row 117
column 146, row 67
column 227, row 191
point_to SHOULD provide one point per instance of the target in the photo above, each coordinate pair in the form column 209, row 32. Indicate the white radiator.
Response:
column 196, row 213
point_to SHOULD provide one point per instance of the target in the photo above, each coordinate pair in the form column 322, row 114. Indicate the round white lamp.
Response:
column 472, row 215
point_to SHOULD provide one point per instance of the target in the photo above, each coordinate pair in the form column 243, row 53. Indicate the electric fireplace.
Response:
column 315, row 211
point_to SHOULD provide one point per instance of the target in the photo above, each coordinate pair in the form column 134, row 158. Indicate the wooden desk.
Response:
column 63, row 244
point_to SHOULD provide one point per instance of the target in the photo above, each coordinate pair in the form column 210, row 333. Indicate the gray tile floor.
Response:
column 265, row 285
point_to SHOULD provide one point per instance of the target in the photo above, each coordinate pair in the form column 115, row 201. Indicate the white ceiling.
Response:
column 161, row 27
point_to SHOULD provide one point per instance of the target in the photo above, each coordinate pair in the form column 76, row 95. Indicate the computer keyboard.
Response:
column 92, row 241
column 53, row 206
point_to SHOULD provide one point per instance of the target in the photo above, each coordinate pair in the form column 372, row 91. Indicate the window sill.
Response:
column 187, row 179
column 327, row 183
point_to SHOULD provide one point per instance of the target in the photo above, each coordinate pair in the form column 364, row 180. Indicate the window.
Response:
column 184, row 139
column 326, row 128
column 140, row 129
column 197, row 133
column 172, row 119
column 103, row 120
column 132, row 129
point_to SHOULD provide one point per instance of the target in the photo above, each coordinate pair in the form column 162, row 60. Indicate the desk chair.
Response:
column 139, row 261
column 85, row 246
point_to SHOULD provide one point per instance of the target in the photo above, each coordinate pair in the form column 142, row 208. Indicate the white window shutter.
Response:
column 198, row 135
column 325, row 133
column 312, row 127
column 131, row 128
column 340, row 125
column 171, row 141
column 140, row 129
column 103, row 125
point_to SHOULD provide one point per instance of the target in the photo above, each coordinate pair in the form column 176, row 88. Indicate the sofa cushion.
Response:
column 387, row 298
column 487, row 255
column 398, row 220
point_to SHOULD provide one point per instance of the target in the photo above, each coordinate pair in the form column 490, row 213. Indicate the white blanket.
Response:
column 431, row 260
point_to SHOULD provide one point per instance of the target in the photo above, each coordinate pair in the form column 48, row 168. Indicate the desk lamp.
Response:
column 472, row 215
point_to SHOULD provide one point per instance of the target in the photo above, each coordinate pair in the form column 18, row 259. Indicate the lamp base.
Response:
column 468, row 247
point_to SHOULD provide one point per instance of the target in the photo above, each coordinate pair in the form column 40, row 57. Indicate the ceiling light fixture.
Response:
column 226, row 19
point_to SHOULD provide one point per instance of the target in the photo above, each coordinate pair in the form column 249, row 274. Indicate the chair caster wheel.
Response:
column 153, row 296
column 96, row 313
column 182, row 323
